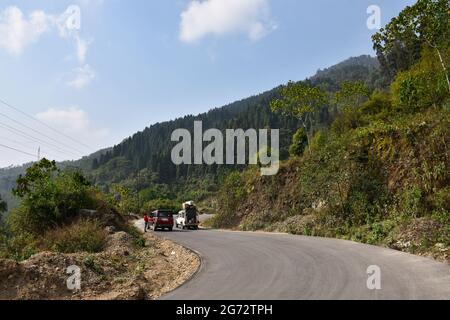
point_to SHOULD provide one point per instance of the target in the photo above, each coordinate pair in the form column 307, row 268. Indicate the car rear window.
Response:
column 164, row 214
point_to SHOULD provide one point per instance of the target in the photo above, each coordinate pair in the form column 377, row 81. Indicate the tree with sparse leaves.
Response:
column 426, row 23
column 301, row 101
column 351, row 95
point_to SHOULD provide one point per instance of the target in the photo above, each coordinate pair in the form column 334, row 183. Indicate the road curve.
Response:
column 264, row 266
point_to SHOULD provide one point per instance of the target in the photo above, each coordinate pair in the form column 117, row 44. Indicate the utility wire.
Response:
column 22, row 144
column 17, row 150
column 45, row 125
column 42, row 134
column 38, row 140
column 18, row 142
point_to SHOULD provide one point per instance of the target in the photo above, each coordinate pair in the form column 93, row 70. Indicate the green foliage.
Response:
column 162, row 204
column 299, row 100
column 37, row 175
column 124, row 199
column 156, row 191
column 441, row 206
column 411, row 202
column 299, row 143
column 320, row 140
column 398, row 45
column 351, row 95
column 231, row 194
column 379, row 105
column 19, row 247
column 49, row 197
column 302, row 101
column 421, row 86
column 139, row 240
column 91, row 263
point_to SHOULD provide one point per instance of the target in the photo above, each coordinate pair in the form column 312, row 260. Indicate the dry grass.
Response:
column 81, row 236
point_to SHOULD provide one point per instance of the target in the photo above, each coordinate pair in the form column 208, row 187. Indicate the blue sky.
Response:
column 135, row 63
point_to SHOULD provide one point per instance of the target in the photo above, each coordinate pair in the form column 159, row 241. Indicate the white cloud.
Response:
column 17, row 31
column 73, row 122
column 81, row 48
column 81, row 77
column 219, row 17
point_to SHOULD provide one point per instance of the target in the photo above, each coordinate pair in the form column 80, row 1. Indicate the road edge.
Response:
column 195, row 252
column 193, row 275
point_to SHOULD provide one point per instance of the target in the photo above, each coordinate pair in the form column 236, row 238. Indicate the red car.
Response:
column 161, row 219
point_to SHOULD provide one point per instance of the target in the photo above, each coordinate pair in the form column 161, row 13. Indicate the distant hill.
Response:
column 364, row 67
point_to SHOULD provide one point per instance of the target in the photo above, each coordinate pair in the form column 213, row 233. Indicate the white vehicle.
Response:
column 188, row 218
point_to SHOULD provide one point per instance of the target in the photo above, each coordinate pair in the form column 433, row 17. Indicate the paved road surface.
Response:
column 259, row 266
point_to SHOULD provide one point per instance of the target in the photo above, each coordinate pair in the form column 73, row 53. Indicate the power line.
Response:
column 38, row 140
column 44, row 124
column 17, row 150
column 42, row 134
column 50, row 155
column 18, row 142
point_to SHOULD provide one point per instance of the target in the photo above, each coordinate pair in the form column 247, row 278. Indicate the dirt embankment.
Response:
column 122, row 271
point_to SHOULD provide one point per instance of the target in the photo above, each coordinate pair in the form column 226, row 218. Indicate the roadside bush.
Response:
column 138, row 238
column 379, row 103
column 18, row 248
column 49, row 197
column 411, row 202
column 299, row 143
column 422, row 86
column 231, row 194
column 80, row 236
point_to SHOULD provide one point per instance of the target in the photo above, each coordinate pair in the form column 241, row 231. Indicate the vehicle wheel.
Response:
column 170, row 229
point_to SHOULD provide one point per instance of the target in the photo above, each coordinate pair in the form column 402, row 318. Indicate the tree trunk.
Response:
column 304, row 122
column 443, row 67
column 342, row 200
column 441, row 60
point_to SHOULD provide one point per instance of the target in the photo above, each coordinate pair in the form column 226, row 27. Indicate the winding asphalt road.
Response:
column 264, row 266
